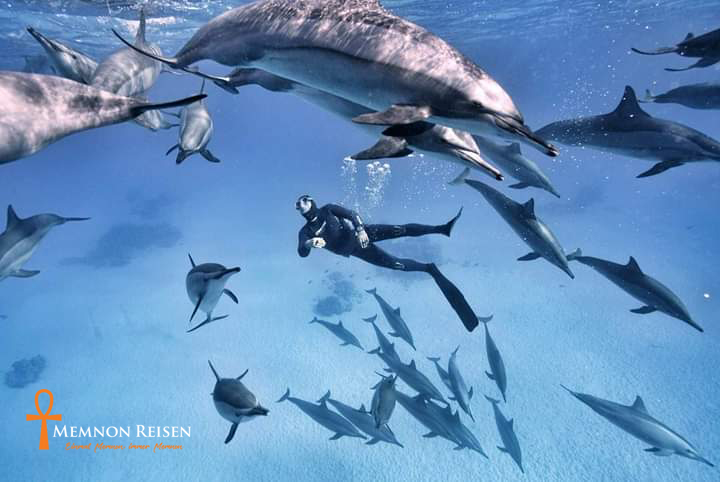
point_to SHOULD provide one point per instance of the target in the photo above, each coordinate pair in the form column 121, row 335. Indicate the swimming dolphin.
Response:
column 442, row 373
column 429, row 414
column 383, row 401
column 68, row 62
column 324, row 416
column 365, row 422
column 654, row 295
column 357, row 50
column 396, row 322
column 234, row 402
column 38, row 110
column 497, row 367
column 637, row 421
column 384, row 344
column 196, row 130
column 339, row 331
column 506, row 428
column 429, row 139
column 459, row 388
column 21, row 238
column 155, row 121
column 463, row 434
column 412, row 377
column 705, row 46
column 695, row 96
column 630, row 131
column 205, row 283
column 531, row 229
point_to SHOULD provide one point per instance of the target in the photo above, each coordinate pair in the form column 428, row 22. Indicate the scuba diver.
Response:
column 342, row 231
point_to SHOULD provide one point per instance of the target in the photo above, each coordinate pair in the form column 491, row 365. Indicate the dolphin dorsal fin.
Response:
column 628, row 106
column 397, row 311
column 140, row 35
column 529, row 208
column 412, row 364
column 514, row 147
column 511, row 423
column 633, row 265
column 362, row 408
column 12, row 217
column 689, row 36
column 340, row 324
column 639, row 405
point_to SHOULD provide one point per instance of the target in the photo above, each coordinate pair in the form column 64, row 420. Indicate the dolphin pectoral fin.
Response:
column 644, row 310
column 470, row 393
column 197, row 305
column 231, row 295
column 660, row 167
column 392, row 333
column 502, row 449
column 372, row 441
column 703, row 62
column 430, row 435
column 396, row 114
column 24, row 273
column 459, row 447
column 231, row 434
column 243, row 374
column 490, row 375
column 659, row 452
column 176, row 146
column 529, row 257
column 453, row 399
column 336, row 436
column 519, row 185
column 346, row 343
column 209, row 156
column 208, row 320
column 385, row 147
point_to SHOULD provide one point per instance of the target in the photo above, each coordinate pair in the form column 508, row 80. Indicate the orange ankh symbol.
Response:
column 44, row 417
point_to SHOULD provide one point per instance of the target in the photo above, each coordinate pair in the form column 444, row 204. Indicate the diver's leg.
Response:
column 381, row 232
column 378, row 257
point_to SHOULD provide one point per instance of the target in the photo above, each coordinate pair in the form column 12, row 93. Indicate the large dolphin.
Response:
column 21, row 238
column 530, row 228
column 69, row 63
column 383, row 401
column 339, row 331
column 363, row 420
column 234, row 402
column 432, row 140
column 654, row 295
column 630, row 131
column 497, row 366
column 196, row 130
column 37, row 110
column 705, row 46
column 357, row 50
column 324, row 416
column 506, row 429
column 394, row 319
column 429, row 414
column 205, row 284
column 466, row 438
column 384, row 344
column 637, row 421
column 695, row 96
column 442, row 373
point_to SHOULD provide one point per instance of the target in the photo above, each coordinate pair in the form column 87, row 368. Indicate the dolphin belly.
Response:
column 18, row 254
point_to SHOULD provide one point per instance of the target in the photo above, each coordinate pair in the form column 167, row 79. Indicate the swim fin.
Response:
column 455, row 298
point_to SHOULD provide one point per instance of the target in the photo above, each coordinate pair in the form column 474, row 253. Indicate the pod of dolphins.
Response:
column 414, row 92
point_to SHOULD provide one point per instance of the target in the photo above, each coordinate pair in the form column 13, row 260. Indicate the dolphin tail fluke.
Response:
column 494, row 401
column 448, row 227
column 456, row 299
column 660, row 51
column 231, row 434
column 574, row 255
column 434, row 359
column 372, row 292
column 460, row 178
column 703, row 62
column 217, row 377
column 143, row 107
column 208, row 320
column 372, row 318
column 314, row 320
column 485, row 319
column 284, row 397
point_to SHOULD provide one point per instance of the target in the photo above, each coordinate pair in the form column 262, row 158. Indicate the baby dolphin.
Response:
column 637, row 421
column 630, row 131
column 324, row 416
column 205, row 283
column 384, row 344
column 705, row 46
column 234, row 402
column 357, row 50
column 530, row 228
column 365, row 422
column 70, row 63
column 196, row 129
column 506, row 428
column 695, row 96
column 21, row 238
column 497, row 367
column 339, row 331
column 654, row 295
column 383, row 401
column 396, row 322
column 38, row 110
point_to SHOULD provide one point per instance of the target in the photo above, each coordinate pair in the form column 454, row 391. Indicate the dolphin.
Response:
column 531, row 229
column 442, row 373
column 654, row 295
column 21, row 238
column 429, row 139
column 705, row 46
column 38, row 110
column 695, row 96
column 234, row 402
column 324, row 416
column 69, row 63
column 339, row 331
column 155, row 121
column 507, row 434
column 383, row 401
column 430, row 415
column 396, row 322
column 384, row 344
column 357, row 50
column 413, row 377
column 497, row 367
column 461, row 394
column 630, row 131
column 463, row 434
column 196, row 130
column 637, row 421
column 365, row 422
column 205, row 283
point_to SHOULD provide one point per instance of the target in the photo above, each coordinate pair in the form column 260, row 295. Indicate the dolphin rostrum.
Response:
column 339, row 331
column 497, row 366
column 234, row 402
column 705, row 46
column 637, row 421
column 205, row 283
column 506, row 429
column 394, row 319
column 324, row 416
column 654, row 295
column 21, row 238
column 365, row 422
column 70, row 63
column 196, row 130
column 695, row 96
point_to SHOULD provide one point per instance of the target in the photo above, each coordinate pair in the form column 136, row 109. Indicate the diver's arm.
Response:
column 304, row 244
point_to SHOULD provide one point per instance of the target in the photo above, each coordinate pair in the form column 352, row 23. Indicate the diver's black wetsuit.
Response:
column 338, row 227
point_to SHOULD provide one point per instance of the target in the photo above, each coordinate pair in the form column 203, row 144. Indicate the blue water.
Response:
column 109, row 309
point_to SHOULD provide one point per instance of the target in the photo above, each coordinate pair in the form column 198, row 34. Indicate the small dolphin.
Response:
column 68, row 62
column 705, row 46
column 413, row 377
column 507, row 434
column 462, row 432
column 461, row 394
column 196, row 129
column 365, row 422
column 497, row 367
column 339, row 331
column 324, row 416
column 442, row 373
column 38, row 110
column 384, row 344
column 635, row 420
column 205, row 283
column 383, row 401
column 234, row 402
column 21, row 238
column 396, row 322
column 630, row 131
column 430, row 415
column 695, row 96
column 530, row 228
column 155, row 121
column 631, row 279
